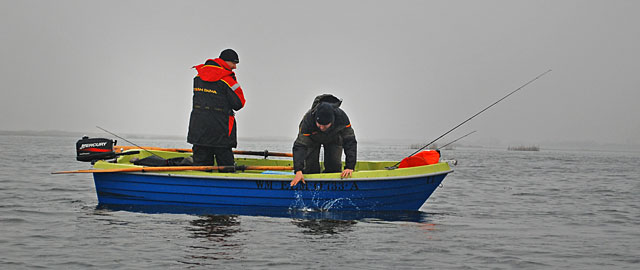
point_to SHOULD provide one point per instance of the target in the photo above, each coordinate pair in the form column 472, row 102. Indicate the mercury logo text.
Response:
column 98, row 144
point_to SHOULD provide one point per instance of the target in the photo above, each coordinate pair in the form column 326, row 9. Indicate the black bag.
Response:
column 156, row 161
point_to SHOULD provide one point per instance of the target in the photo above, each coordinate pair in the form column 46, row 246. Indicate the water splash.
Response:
column 298, row 202
column 317, row 203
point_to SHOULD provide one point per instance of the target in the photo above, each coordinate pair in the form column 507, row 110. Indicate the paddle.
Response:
column 181, row 168
column 265, row 153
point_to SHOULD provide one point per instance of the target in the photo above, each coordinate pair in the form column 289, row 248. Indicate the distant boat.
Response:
column 372, row 186
column 523, row 148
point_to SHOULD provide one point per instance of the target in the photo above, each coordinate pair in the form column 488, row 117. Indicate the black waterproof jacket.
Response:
column 309, row 135
column 216, row 95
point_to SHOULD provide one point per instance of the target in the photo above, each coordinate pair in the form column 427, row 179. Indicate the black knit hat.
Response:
column 324, row 114
column 230, row 55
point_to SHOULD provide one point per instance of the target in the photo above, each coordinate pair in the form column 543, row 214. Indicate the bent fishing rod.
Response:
column 468, row 119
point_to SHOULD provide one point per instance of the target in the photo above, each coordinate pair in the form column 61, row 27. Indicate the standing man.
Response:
column 212, row 126
column 324, row 125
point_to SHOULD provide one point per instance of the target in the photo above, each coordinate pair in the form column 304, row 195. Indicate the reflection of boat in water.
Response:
column 296, row 214
column 324, row 226
column 371, row 188
column 215, row 226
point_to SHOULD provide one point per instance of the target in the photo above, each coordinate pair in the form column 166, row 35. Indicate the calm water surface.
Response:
column 500, row 209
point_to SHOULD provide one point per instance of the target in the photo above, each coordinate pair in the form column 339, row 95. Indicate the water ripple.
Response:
column 499, row 210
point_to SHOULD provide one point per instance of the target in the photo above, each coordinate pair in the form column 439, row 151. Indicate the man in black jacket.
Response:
column 212, row 125
column 329, row 126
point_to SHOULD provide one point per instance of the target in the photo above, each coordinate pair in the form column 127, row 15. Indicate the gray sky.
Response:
column 407, row 70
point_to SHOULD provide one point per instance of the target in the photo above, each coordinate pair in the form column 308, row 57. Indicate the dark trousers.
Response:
column 332, row 159
column 205, row 155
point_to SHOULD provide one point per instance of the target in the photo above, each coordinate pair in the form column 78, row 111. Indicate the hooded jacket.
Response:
column 340, row 133
column 216, row 95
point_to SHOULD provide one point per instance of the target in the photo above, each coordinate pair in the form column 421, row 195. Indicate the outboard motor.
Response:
column 92, row 149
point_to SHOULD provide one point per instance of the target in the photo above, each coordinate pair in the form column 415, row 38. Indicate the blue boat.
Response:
column 372, row 187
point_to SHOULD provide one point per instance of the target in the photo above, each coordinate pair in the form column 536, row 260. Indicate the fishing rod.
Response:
column 442, row 147
column 129, row 142
column 468, row 119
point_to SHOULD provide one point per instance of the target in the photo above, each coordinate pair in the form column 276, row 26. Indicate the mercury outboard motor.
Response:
column 92, row 149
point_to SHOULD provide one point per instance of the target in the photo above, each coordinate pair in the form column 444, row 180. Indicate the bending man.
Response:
column 328, row 126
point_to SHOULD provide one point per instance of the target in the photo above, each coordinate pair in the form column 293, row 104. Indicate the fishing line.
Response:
column 442, row 147
column 129, row 142
column 512, row 92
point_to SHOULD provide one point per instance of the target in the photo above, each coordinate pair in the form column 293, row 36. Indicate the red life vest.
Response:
column 212, row 73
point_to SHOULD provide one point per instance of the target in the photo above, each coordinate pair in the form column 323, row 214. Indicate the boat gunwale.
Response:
column 255, row 177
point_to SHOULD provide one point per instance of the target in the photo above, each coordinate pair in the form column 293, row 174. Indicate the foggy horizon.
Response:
column 491, row 143
column 407, row 71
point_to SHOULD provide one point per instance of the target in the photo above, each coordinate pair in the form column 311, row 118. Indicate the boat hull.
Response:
column 238, row 192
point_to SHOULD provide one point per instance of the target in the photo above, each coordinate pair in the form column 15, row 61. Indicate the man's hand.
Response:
column 297, row 178
column 346, row 173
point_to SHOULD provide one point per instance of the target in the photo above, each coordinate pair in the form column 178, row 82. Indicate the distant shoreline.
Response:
column 79, row 134
column 578, row 146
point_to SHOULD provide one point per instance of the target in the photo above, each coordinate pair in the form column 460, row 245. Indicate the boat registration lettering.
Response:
column 311, row 186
